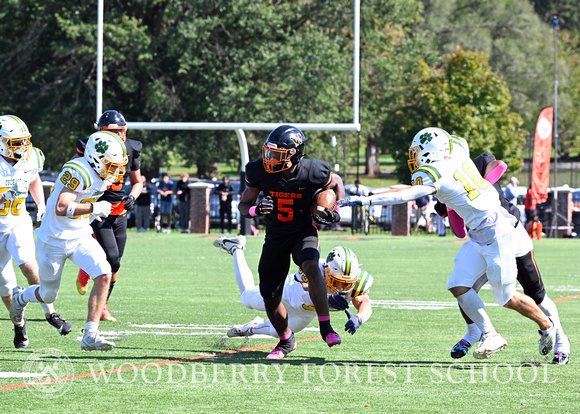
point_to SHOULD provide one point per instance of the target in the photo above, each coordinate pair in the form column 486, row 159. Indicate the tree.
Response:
column 464, row 97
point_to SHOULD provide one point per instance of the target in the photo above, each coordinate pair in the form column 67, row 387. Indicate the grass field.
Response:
column 176, row 297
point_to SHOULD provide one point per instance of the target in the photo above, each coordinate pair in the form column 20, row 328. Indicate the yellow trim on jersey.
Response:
column 360, row 286
column 82, row 171
column 39, row 157
column 430, row 171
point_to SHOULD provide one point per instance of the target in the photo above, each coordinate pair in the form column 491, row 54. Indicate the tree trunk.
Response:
column 372, row 165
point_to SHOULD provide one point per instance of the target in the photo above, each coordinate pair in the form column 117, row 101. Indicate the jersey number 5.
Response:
column 285, row 212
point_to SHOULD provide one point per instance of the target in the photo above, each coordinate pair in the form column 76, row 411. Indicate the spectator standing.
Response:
column 530, row 206
column 182, row 190
column 511, row 192
column 143, row 209
column 226, row 191
column 165, row 191
column 420, row 207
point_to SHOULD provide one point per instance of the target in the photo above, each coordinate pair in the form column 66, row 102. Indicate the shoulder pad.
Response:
column 363, row 284
column 79, row 171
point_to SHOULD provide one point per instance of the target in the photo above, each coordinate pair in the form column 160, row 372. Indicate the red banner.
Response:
column 542, row 152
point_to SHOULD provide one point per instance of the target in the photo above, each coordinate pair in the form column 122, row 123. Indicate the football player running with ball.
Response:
column 20, row 164
column 346, row 283
column 456, row 182
column 66, row 233
column 289, row 183
column 112, row 231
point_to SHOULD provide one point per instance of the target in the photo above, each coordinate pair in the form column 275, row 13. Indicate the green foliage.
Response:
column 464, row 97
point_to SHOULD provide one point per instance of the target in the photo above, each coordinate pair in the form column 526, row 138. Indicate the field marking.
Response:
column 132, row 367
column 566, row 298
column 13, row 374
column 418, row 304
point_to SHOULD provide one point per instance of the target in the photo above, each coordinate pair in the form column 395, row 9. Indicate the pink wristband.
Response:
column 252, row 211
column 496, row 173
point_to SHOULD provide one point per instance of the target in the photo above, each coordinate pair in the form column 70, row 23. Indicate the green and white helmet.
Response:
column 107, row 154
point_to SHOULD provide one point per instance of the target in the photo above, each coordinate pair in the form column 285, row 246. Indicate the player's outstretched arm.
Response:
column 390, row 197
column 364, row 311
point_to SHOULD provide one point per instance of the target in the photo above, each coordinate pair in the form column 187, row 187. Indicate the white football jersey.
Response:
column 298, row 298
column 78, row 176
column 462, row 188
column 459, row 147
column 13, row 211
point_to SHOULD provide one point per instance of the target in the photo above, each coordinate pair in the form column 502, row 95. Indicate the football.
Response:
column 322, row 204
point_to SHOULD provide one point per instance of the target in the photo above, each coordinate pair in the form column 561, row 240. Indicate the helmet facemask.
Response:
column 278, row 159
column 429, row 145
column 17, row 148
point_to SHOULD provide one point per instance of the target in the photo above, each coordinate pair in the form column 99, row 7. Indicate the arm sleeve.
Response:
column 399, row 197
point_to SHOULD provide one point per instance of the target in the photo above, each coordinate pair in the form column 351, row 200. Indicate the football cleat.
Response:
column 332, row 339
column 243, row 330
column 82, row 282
column 106, row 315
column 546, row 342
column 561, row 358
column 460, row 349
column 283, row 348
column 16, row 310
column 490, row 344
column 62, row 325
column 20, row 336
column 92, row 341
column 230, row 244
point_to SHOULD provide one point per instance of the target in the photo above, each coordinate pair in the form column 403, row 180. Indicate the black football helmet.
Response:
column 283, row 149
column 112, row 119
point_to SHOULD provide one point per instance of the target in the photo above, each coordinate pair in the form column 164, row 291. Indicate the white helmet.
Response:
column 14, row 138
column 428, row 146
column 341, row 270
column 107, row 155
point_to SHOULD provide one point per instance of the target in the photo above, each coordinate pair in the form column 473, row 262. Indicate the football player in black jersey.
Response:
column 288, row 183
column 111, row 232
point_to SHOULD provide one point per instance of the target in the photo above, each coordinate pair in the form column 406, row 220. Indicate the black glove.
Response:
column 338, row 301
column 441, row 209
column 129, row 202
column 332, row 217
column 265, row 206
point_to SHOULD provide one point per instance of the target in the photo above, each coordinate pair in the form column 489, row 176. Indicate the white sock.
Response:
column 265, row 328
column 92, row 326
column 244, row 276
column 473, row 333
column 48, row 308
column 29, row 294
column 473, row 307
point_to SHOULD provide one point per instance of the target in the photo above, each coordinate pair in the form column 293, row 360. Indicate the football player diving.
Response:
column 65, row 232
column 111, row 233
column 20, row 164
column 490, row 249
column 288, row 183
column 346, row 283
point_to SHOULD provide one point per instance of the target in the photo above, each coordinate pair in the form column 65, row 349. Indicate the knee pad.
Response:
column 115, row 263
column 48, row 295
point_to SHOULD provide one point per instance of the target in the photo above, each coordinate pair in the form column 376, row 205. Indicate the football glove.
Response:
column 265, row 206
column 350, row 201
column 15, row 192
column 338, row 301
column 129, row 202
column 441, row 209
column 354, row 322
column 334, row 216
column 101, row 209
column 40, row 211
